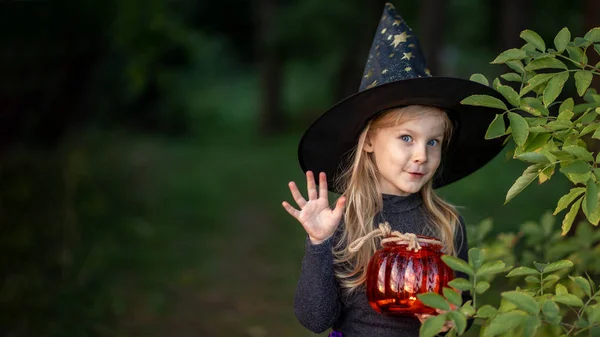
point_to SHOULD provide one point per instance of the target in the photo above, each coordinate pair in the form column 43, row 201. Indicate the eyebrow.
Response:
column 438, row 135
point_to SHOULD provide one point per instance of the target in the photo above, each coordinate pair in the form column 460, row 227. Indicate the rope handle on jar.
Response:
column 385, row 230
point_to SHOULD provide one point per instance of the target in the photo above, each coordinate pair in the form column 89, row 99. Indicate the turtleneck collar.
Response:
column 398, row 204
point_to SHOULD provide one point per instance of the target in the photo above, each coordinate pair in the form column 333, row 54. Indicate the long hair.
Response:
column 360, row 184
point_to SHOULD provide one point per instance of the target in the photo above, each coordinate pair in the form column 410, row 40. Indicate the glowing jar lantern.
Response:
column 396, row 274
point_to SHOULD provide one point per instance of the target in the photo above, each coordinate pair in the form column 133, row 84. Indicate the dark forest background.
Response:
column 146, row 146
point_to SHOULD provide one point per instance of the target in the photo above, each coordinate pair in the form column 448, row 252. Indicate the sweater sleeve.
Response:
column 317, row 302
column 463, row 253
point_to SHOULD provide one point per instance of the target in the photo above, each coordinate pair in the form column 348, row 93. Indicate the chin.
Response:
column 410, row 189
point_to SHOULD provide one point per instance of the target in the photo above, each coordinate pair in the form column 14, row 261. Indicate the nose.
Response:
column 420, row 154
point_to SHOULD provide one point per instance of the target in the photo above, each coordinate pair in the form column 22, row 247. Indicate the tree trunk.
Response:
column 432, row 15
column 513, row 19
column 358, row 39
column 271, row 115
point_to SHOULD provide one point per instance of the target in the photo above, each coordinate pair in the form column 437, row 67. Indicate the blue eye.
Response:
column 406, row 138
column 433, row 142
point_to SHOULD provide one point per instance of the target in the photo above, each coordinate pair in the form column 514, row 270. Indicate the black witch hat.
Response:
column 395, row 76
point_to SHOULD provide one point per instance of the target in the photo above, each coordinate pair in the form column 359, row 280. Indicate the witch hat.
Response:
column 395, row 76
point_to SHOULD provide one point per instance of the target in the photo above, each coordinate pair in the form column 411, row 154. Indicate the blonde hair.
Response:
column 359, row 181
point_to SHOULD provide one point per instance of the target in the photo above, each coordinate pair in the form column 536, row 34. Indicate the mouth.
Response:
column 415, row 174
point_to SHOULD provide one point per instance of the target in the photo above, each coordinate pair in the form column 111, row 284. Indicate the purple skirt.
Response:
column 335, row 334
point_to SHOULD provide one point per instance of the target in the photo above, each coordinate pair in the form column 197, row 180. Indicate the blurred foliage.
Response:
column 537, row 261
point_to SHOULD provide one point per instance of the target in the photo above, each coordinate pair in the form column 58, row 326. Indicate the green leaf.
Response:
column 577, row 166
column 458, row 264
column 496, row 83
column 452, row 296
column 509, row 93
column 550, row 310
column 570, row 217
column 479, row 78
column 561, row 290
column 467, row 309
column 533, row 38
column 591, row 196
column 533, row 157
column 593, row 312
column 581, row 42
column 432, row 326
column 523, row 181
column 532, row 279
column 536, row 81
column 476, row 257
column 589, row 128
column 597, row 49
column 482, row 286
column 568, row 299
column 566, row 116
column 484, row 100
column 523, row 301
column 434, row 300
column 550, row 280
column 460, row 321
column 594, row 215
column 583, row 283
column 596, row 134
column 579, row 152
column 486, row 311
column 577, row 55
column 539, row 266
column 461, row 284
column 522, row 271
column 496, row 128
column 567, row 104
column 568, row 198
column 520, row 128
column 511, row 54
column 539, row 142
column 531, row 325
column 506, row 306
column 558, row 265
column 533, row 106
column 593, row 35
column 490, row 268
column 555, row 87
column 511, row 77
column 545, row 63
column 505, row 322
column 583, row 79
column 516, row 65
column 562, row 39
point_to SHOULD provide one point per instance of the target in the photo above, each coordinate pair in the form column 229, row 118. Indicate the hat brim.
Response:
column 327, row 143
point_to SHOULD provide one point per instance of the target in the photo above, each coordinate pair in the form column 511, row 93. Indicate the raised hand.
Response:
column 315, row 215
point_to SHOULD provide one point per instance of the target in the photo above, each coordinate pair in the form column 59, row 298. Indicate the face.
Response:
column 408, row 154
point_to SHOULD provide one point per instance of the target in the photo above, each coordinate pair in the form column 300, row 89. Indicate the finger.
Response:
column 310, row 185
column 293, row 212
column 339, row 207
column 323, row 186
column 297, row 195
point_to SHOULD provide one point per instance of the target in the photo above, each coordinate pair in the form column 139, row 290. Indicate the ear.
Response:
column 368, row 145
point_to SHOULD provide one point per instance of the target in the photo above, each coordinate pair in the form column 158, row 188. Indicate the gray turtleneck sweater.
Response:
column 319, row 304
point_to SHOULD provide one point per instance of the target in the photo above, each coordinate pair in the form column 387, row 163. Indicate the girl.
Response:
column 384, row 150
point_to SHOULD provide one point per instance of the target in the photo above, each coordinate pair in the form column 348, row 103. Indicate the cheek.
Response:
column 435, row 158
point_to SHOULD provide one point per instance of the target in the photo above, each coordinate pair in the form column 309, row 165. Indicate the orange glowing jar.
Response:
column 395, row 276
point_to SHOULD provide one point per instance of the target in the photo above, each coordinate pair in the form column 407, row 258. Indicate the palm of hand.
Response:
column 315, row 215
